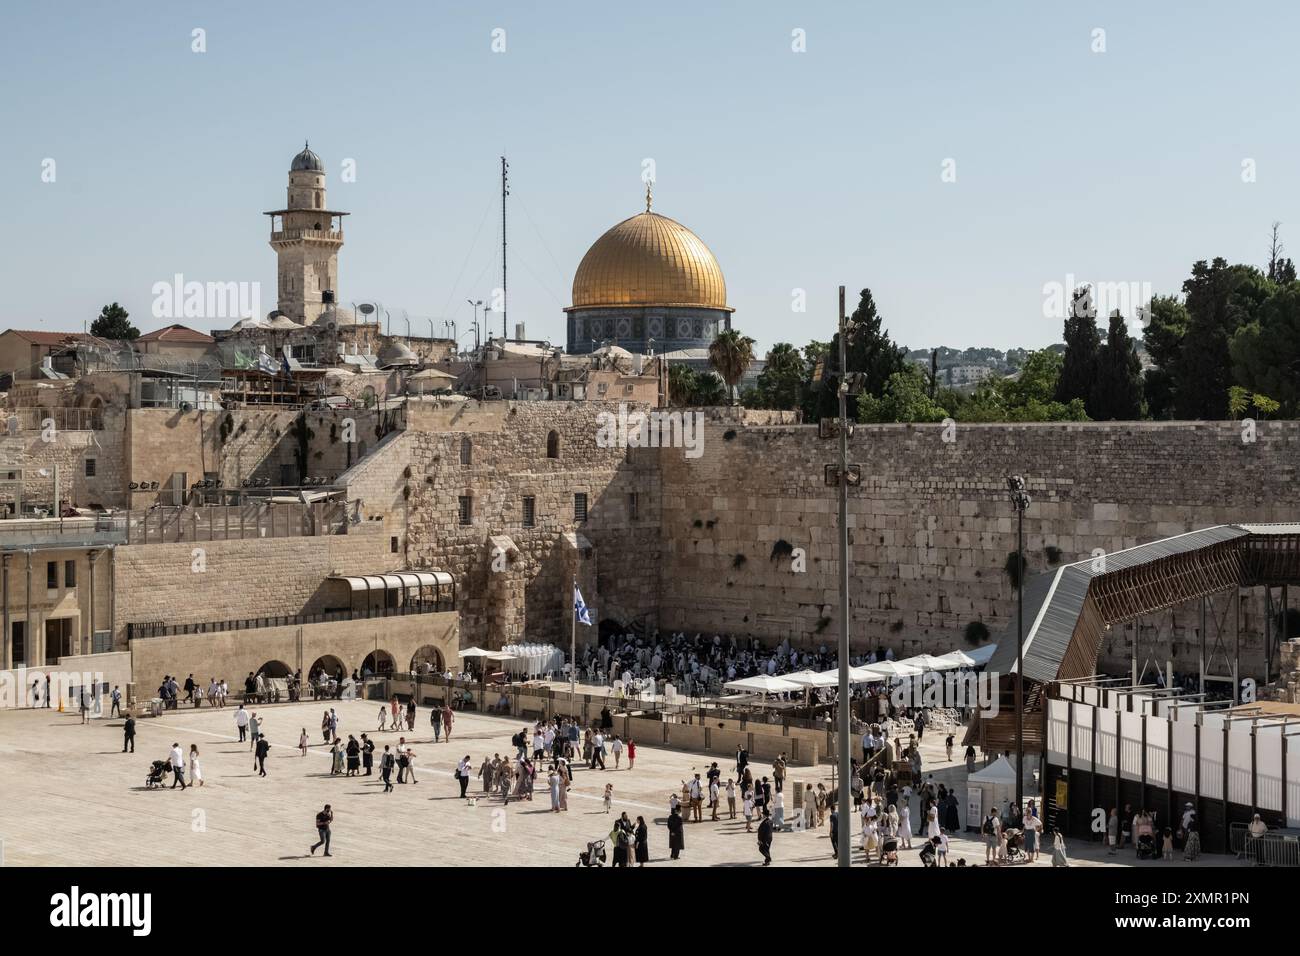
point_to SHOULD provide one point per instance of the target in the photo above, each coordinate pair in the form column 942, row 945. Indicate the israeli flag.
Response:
column 580, row 607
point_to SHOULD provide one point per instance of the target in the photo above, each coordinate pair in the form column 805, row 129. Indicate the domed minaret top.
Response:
column 307, row 161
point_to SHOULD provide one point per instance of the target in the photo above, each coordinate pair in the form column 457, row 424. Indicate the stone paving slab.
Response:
column 69, row 797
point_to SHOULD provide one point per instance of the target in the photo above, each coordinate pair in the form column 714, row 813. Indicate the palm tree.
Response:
column 709, row 390
column 731, row 354
column 681, row 384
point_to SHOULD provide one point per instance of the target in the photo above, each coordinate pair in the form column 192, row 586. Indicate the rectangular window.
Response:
column 90, row 468
column 633, row 506
column 466, row 509
column 392, row 544
column 530, row 511
column 580, row 507
column 19, row 633
column 52, row 575
column 69, row 574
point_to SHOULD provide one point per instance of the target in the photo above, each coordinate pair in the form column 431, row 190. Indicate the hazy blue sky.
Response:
column 799, row 170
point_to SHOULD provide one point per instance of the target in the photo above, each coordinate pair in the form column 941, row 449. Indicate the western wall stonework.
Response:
column 931, row 525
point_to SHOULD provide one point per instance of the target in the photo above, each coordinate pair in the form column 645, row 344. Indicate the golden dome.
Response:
column 649, row 260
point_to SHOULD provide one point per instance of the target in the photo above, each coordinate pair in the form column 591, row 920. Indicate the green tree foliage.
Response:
column 1266, row 351
column 1117, row 390
column 1167, row 322
column 905, row 398
column 1028, row 398
column 781, row 383
column 1220, row 299
column 113, row 324
column 870, row 350
column 1082, row 344
column 731, row 354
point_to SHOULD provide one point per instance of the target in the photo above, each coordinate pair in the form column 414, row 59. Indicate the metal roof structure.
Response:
column 1068, row 610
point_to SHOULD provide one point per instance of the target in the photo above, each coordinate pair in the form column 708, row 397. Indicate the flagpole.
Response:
column 573, row 642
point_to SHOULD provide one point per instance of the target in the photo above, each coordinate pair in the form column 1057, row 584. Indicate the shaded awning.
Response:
column 395, row 580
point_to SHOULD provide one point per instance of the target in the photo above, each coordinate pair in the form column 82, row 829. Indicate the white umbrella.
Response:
column 814, row 678
column 957, row 659
column 928, row 663
column 982, row 655
column 475, row 652
column 763, row 684
column 886, row 669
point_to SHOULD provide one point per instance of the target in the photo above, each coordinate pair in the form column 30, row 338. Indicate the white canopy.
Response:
column 886, row 669
column 395, row 581
column 983, row 654
column 763, row 684
column 929, row 663
column 808, row 678
column 999, row 771
column 958, row 659
column 475, row 652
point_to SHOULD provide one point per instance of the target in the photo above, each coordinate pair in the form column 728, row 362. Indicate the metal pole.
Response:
column 846, row 829
column 573, row 641
column 1020, row 658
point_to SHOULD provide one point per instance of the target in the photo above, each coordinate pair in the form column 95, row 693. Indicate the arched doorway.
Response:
column 377, row 664
column 427, row 660
column 329, row 665
column 275, row 669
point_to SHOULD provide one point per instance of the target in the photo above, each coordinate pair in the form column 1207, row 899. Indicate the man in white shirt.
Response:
column 241, row 721
column 598, row 751
column 178, row 766
column 696, row 792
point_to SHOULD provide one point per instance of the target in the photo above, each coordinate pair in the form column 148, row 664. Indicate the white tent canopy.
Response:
column 983, row 654
column 958, row 659
column 807, row 678
column 928, row 663
column 490, row 655
column 885, row 670
column 999, row 771
column 763, row 684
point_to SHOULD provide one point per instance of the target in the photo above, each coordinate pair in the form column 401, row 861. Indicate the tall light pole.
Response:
column 1020, row 501
column 843, row 475
column 474, row 305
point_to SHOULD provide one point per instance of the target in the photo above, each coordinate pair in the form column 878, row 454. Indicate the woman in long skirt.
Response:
column 325, row 727
column 196, row 772
column 642, row 842
column 337, row 751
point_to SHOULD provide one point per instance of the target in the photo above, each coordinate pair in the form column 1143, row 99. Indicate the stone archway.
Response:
column 378, row 663
column 429, row 654
column 331, row 665
column 275, row 669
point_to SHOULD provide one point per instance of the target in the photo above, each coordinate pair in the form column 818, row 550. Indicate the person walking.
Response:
column 324, row 828
column 448, row 718
column 631, row 753
column 386, row 762
column 835, row 830
column 608, row 798
column 617, row 748
column 116, row 709
column 970, row 758
column 435, row 721
column 642, row 842
column 259, row 754
column 765, row 837
column 254, row 729
column 368, row 755
column 302, row 742
column 128, row 734
column 196, row 772
column 178, row 766
column 383, row 718
column 354, row 756
column 241, row 721
column 462, row 775
column 676, row 838
column 410, row 765
column 749, row 811
column 731, row 799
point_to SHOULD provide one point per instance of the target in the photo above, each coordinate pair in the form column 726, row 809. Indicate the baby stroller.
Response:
column 1015, row 846
column 157, row 770
column 594, row 855
column 1146, row 846
column 889, row 850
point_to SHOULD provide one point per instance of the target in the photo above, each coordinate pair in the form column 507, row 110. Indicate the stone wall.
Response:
column 197, row 582
column 931, row 526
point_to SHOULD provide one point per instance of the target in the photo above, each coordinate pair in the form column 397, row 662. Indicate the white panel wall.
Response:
column 1268, row 766
column 1157, row 751
column 1130, row 728
column 1083, row 736
column 1239, row 763
column 1212, row 762
column 1057, row 730
column 1185, row 756
column 1106, row 721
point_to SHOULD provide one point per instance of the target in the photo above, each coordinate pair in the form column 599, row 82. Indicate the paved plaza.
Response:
column 70, row 797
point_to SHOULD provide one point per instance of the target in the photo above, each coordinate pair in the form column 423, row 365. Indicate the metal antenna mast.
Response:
column 505, row 191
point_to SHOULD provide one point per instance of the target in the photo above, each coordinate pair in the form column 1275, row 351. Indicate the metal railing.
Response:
column 36, row 418
column 146, row 629
column 170, row 523
column 1271, row 849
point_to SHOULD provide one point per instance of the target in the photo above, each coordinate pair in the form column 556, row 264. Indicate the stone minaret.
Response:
column 306, row 236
